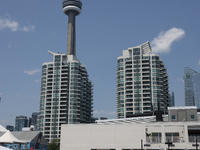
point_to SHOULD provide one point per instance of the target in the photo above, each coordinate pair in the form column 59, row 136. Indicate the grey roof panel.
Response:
column 27, row 136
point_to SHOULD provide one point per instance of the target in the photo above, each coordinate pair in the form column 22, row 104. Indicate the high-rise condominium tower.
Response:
column 142, row 82
column 66, row 92
column 192, row 87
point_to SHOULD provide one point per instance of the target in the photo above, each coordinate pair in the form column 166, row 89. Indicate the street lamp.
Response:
column 147, row 145
column 169, row 143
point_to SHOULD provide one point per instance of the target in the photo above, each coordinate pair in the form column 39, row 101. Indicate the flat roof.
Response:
column 182, row 107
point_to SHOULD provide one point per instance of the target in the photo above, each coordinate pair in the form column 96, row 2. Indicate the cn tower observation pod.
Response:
column 72, row 5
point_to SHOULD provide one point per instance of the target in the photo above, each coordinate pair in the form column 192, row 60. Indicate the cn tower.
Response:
column 72, row 8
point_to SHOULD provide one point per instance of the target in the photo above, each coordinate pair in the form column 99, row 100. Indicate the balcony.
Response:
column 146, row 79
column 146, row 74
column 145, row 67
column 153, row 139
column 146, row 92
column 146, row 95
column 145, row 71
column 192, row 138
column 146, row 83
column 145, row 62
column 174, row 139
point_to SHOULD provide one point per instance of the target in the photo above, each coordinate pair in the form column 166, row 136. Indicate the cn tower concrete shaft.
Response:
column 71, row 43
column 72, row 8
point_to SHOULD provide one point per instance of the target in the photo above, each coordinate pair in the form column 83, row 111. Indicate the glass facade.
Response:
column 34, row 120
column 192, row 87
column 142, row 82
column 21, row 122
column 66, row 95
column 10, row 128
column 171, row 100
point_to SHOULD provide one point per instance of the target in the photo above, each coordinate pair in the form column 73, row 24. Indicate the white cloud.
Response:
column 199, row 62
column 37, row 81
column 14, row 25
column 4, row 121
column 28, row 28
column 31, row 72
column 180, row 79
column 102, row 112
column 162, row 43
column 10, row 45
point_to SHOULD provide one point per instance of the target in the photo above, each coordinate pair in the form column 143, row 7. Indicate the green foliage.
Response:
column 54, row 145
column 148, row 134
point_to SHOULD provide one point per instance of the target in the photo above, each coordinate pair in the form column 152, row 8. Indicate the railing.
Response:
column 170, row 138
column 192, row 138
column 174, row 139
column 154, row 139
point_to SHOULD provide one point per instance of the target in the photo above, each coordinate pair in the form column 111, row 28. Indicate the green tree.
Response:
column 54, row 145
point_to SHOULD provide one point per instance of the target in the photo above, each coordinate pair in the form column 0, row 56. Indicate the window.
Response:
column 57, row 64
column 57, row 58
column 156, row 137
column 172, row 137
column 146, row 57
column 120, row 60
column 173, row 117
column 50, row 65
column 137, row 104
column 192, row 116
column 137, row 108
column 136, row 66
column 74, row 64
column 136, row 51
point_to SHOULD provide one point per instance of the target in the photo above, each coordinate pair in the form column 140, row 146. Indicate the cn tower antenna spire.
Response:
column 72, row 8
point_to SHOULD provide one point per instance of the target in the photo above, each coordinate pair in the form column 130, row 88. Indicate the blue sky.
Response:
column 28, row 29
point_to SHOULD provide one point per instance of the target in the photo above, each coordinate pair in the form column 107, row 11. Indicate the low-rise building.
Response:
column 133, row 133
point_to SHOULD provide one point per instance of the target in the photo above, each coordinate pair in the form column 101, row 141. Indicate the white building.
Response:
column 2, row 129
column 142, row 82
column 66, row 91
column 133, row 133
column 66, row 95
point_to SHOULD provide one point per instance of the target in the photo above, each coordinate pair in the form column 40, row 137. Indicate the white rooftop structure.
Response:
column 9, row 138
column 182, row 107
column 2, row 129
column 4, row 148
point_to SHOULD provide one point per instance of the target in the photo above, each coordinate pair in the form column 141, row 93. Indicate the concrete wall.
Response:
column 183, row 115
column 86, row 137
column 121, row 136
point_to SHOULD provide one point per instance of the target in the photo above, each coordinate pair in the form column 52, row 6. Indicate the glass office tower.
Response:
column 66, row 95
column 21, row 122
column 192, row 87
column 142, row 82
column 171, row 100
column 35, row 120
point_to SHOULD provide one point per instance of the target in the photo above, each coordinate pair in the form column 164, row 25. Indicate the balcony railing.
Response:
column 192, row 138
column 174, row 139
column 153, row 139
column 156, row 139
